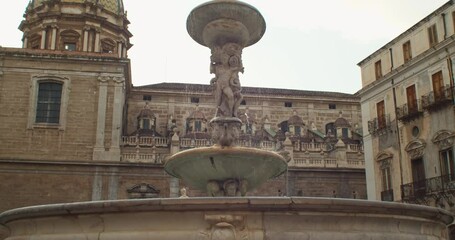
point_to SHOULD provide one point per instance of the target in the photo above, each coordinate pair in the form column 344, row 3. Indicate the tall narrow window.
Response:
column 433, row 35
column 48, row 104
column 418, row 177
column 438, row 86
column 386, row 179
column 197, row 126
column 407, row 51
column 380, row 107
column 378, row 69
column 447, row 164
column 412, row 99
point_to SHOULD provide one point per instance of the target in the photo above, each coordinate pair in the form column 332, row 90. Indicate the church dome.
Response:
column 99, row 26
column 114, row 6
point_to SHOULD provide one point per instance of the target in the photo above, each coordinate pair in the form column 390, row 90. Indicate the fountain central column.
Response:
column 226, row 27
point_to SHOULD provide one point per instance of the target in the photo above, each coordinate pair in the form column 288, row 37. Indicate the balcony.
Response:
column 379, row 125
column 408, row 112
column 435, row 100
column 387, row 195
column 437, row 188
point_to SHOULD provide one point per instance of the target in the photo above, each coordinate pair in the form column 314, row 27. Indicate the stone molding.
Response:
column 228, row 218
column 444, row 139
column 415, row 148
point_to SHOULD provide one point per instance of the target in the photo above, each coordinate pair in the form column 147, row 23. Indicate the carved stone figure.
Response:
column 183, row 193
column 226, row 63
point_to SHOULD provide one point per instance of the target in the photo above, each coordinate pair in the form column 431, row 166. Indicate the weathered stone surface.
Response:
column 212, row 218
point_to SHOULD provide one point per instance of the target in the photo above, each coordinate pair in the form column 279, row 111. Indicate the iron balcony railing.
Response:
column 436, row 187
column 379, row 125
column 387, row 195
column 436, row 99
column 409, row 111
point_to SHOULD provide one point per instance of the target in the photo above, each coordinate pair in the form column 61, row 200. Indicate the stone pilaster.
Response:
column 85, row 44
column 174, row 187
column 54, row 37
column 43, row 38
column 101, row 118
column 119, row 83
column 120, row 49
column 97, row 40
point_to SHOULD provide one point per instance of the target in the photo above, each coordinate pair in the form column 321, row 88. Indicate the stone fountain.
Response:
column 226, row 27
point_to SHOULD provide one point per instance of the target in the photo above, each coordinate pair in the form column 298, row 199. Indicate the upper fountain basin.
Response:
column 222, row 21
column 198, row 166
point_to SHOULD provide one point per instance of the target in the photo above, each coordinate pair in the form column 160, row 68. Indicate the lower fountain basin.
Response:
column 227, row 218
column 198, row 166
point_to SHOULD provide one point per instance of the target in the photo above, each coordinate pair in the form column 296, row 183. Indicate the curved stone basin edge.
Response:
column 250, row 204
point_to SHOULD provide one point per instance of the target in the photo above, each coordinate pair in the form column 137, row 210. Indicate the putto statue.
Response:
column 226, row 63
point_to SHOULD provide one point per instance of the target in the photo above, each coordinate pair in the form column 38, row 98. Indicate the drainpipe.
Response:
column 391, row 59
column 400, row 157
column 443, row 15
column 449, row 66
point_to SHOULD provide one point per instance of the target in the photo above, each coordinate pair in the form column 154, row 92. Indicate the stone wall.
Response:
column 36, row 182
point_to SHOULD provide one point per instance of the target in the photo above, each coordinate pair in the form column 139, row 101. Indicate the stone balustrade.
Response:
column 327, row 163
column 153, row 158
column 144, row 141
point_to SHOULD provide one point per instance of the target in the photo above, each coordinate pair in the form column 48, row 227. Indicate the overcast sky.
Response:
column 308, row 45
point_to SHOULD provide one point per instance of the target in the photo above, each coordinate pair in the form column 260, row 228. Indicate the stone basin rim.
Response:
column 231, row 204
column 263, row 160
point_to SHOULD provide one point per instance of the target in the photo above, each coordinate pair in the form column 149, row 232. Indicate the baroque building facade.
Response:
column 407, row 103
column 74, row 128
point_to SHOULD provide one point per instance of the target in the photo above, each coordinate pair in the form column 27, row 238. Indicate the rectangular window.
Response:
column 432, row 35
column 70, row 46
column 345, row 132
column 386, row 179
column 332, row 106
column 297, row 130
column 194, row 99
column 197, row 126
column 407, row 51
column 412, row 99
column 288, row 104
column 145, row 123
column 48, row 104
column 380, row 107
column 438, row 86
column 447, row 164
column 378, row 69
column 147, row 97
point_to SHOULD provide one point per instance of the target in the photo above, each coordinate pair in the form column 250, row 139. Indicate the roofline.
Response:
column 309, row 92
column 399, row 37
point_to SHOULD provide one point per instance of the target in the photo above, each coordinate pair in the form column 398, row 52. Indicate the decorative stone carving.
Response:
column 225, row 227
column 228, row 188
column 225, row 130
column 226, row 63
column 444, row 139
column 384, row 159
column 415, row 148
column 143, row 190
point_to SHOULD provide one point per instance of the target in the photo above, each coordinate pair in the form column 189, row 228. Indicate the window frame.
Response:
column 433, row 35
column 378, row 69
column 33, row 101
column 407, row 51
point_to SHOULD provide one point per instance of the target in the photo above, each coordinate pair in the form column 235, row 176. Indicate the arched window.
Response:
column 34, row 42
column 69, row 40
column 107, row 45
